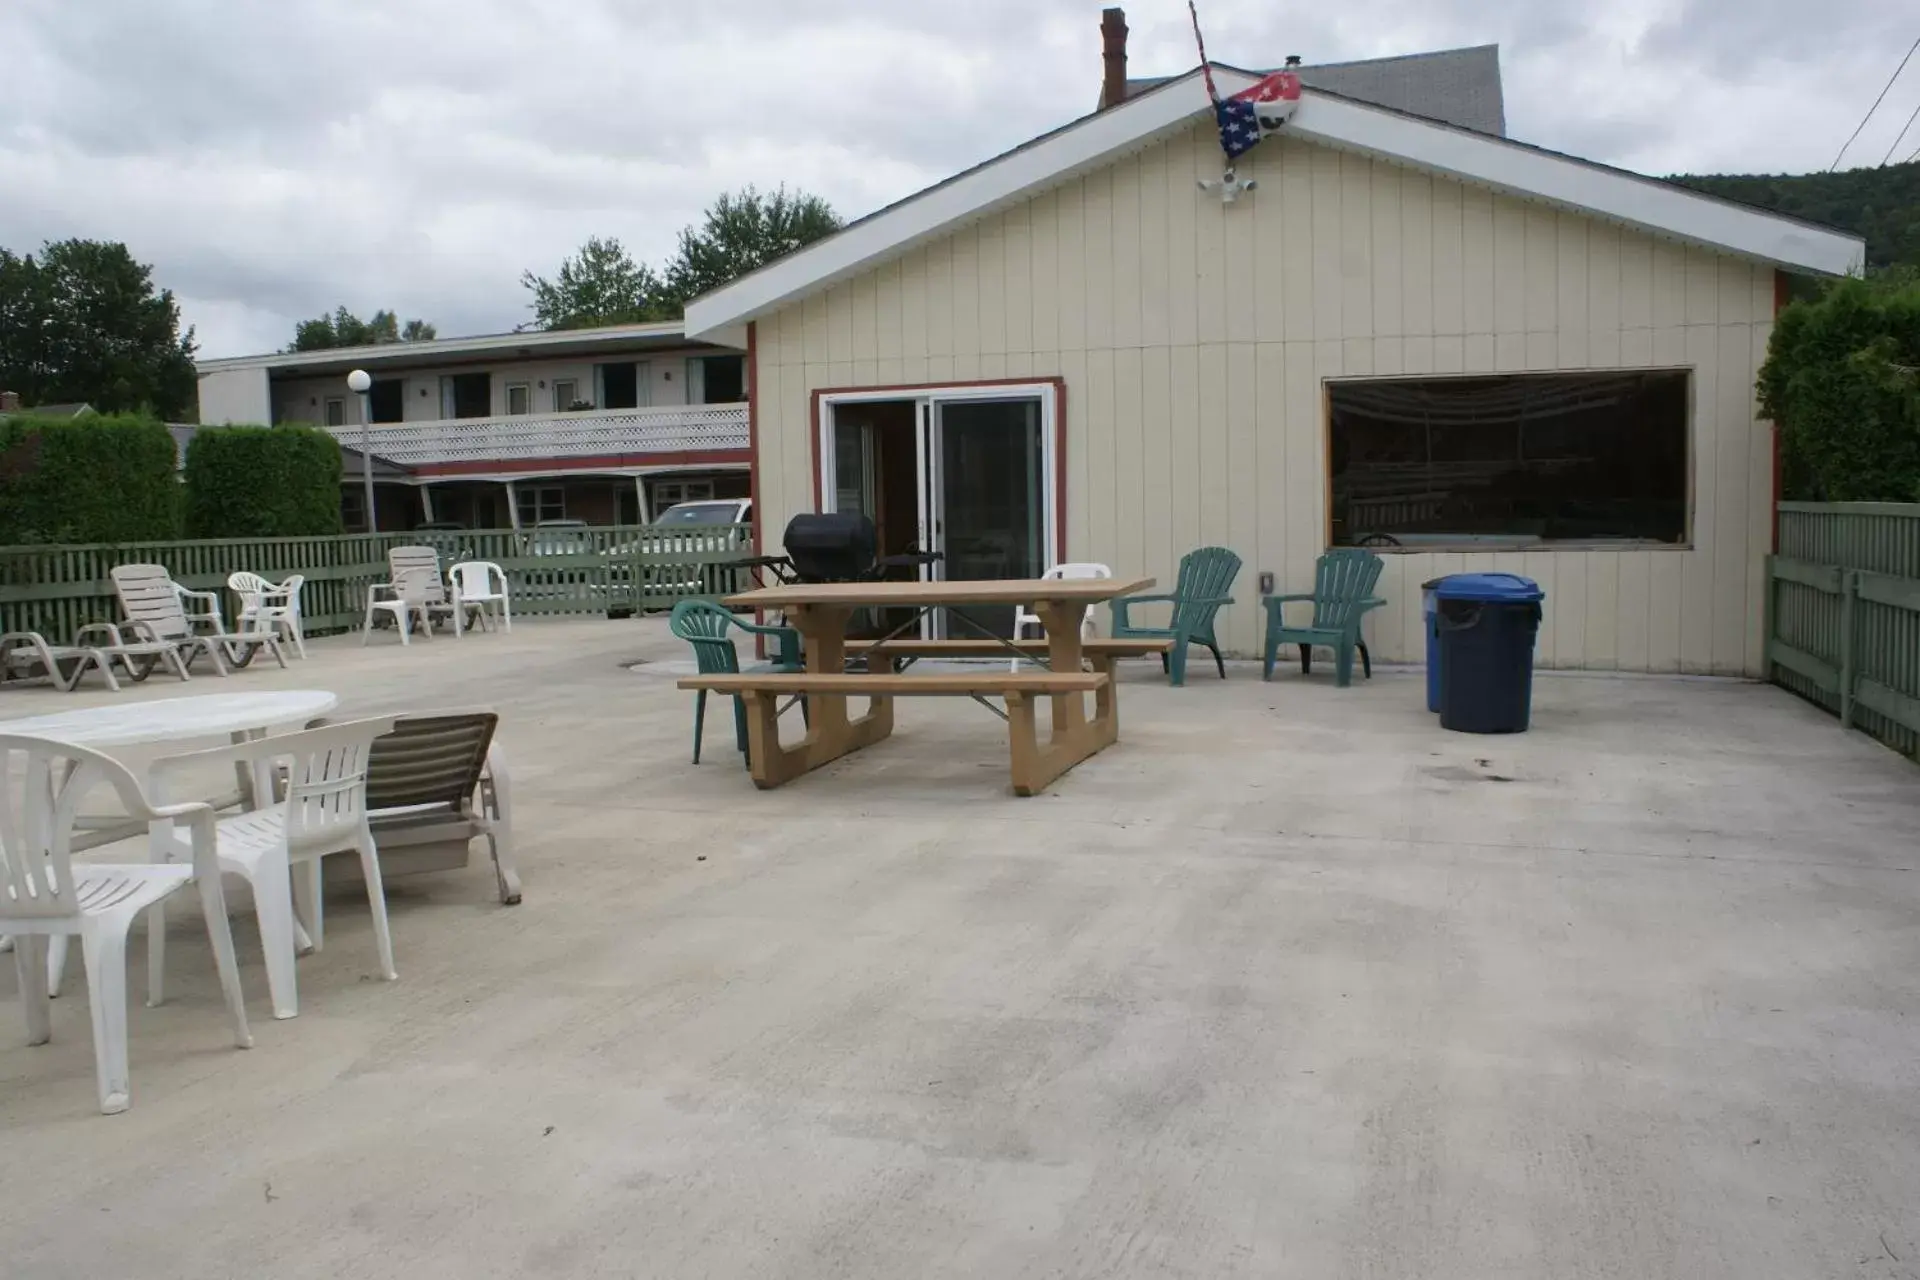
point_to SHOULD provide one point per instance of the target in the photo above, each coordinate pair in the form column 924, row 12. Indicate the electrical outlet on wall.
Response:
column 1266, row 582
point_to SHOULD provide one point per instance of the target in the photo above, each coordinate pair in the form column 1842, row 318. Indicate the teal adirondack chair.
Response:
column 1206, row 576
column 703, row 624
column 1343, row 583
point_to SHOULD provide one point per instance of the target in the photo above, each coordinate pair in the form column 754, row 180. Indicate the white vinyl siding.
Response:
column 1194, row 340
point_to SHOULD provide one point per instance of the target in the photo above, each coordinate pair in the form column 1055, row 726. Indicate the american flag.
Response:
column 1256, row 111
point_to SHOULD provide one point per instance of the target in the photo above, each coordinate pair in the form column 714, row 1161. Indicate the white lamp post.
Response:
column 359, row 383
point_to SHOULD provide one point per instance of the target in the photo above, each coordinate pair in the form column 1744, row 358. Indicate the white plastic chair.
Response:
column 44, row 895
column 324, row 811
column 477, row 585
column 1022, row 618
column 269, row 606
column 414, row 590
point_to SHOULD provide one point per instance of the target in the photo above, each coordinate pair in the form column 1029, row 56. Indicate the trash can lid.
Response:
column 1495, row 587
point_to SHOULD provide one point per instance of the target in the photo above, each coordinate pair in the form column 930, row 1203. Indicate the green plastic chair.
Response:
column 1343, row 583
column 1206, row 576
column 703, row 624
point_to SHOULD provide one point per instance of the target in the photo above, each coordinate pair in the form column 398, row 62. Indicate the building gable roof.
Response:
column 435, row 352
column 1454, row 86
column 1649, row 204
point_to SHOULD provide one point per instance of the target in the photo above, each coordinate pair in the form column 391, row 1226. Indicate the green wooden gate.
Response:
column 1843, row 614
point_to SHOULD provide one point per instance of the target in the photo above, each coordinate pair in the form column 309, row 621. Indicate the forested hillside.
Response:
column 1882, row 205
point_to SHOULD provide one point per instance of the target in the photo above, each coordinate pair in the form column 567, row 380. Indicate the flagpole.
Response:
column 1206, row 68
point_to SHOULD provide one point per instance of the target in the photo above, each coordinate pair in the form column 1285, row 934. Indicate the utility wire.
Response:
column 1899, row 137
column 1876, row 105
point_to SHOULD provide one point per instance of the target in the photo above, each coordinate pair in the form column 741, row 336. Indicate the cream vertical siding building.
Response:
column 1074, row 352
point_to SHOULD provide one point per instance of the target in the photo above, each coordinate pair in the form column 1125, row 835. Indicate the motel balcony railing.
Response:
column 700, row 428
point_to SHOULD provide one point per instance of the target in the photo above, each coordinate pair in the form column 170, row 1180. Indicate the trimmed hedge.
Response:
column 1842, row 381
column 262, row 482
column 91, row 479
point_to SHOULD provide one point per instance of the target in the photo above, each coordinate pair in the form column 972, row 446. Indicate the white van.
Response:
column 698, row 529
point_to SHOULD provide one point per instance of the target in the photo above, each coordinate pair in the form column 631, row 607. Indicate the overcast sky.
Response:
column 275, row 158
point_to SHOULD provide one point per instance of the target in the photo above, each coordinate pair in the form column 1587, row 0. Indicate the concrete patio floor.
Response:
column 1289, row 983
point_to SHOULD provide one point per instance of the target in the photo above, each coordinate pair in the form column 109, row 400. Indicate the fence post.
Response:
column 1849, row 592
column 1769, row 619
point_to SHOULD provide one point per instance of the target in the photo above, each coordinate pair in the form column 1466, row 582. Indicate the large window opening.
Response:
column 387, row 401
column 466, row 395
column 1512, row 460
column 623, row 385
column 716, row 379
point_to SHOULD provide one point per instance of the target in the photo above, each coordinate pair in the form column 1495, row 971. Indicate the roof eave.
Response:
column 1648, row 204
column 428, row 352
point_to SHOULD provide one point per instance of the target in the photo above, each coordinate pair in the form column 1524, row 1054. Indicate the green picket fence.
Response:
column 1843, row 614
column 606, row 570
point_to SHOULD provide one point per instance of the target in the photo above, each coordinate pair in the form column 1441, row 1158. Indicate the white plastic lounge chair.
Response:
column 44, row 895
column 26, row 655
column 156, row 606
column 441, row 779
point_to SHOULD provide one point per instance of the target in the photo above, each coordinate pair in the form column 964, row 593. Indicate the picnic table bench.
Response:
column 821, row 614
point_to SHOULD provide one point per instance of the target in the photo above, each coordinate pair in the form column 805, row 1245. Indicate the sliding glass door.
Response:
column 988, row 495
column 981, row 487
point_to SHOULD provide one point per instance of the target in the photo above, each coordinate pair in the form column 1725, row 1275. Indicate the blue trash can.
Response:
column 1428, row 612
column 1486, row 624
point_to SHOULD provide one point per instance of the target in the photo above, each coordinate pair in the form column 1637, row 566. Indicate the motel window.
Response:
column 541, row 502
column 466, row 395
column 519, row 397
column 353, row 510
column 668, row 492
column 716, row 379
column 336, row 411
column 566, row 393
column 387, row 400
column 1514, row 460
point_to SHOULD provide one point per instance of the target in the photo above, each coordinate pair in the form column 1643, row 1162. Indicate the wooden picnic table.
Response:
column 821, row 613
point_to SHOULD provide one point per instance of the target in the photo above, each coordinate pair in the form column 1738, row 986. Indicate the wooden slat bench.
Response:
column 1033, row 765
column 1101, row 654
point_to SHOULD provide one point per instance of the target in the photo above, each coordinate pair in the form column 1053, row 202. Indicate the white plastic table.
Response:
column 130, row 724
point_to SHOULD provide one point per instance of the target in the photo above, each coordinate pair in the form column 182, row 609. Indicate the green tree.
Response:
column 1881, row 205
column 601, row 284
column 344, row 329
column 743, row 232
column 84, row 322
column 1842, row 381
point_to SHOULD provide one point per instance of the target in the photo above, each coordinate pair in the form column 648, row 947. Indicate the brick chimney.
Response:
column 9, row 402
column 1113, row 57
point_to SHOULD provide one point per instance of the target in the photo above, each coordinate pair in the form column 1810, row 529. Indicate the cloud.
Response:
column 274, row 160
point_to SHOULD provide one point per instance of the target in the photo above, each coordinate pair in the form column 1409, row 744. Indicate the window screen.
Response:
column 1511, row 460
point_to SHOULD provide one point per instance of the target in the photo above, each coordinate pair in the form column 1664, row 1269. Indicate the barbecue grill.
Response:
column 836, row 547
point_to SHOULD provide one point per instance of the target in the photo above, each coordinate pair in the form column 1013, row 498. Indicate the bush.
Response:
column 1842, row 381
column 262, row 482
column 89, row 479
